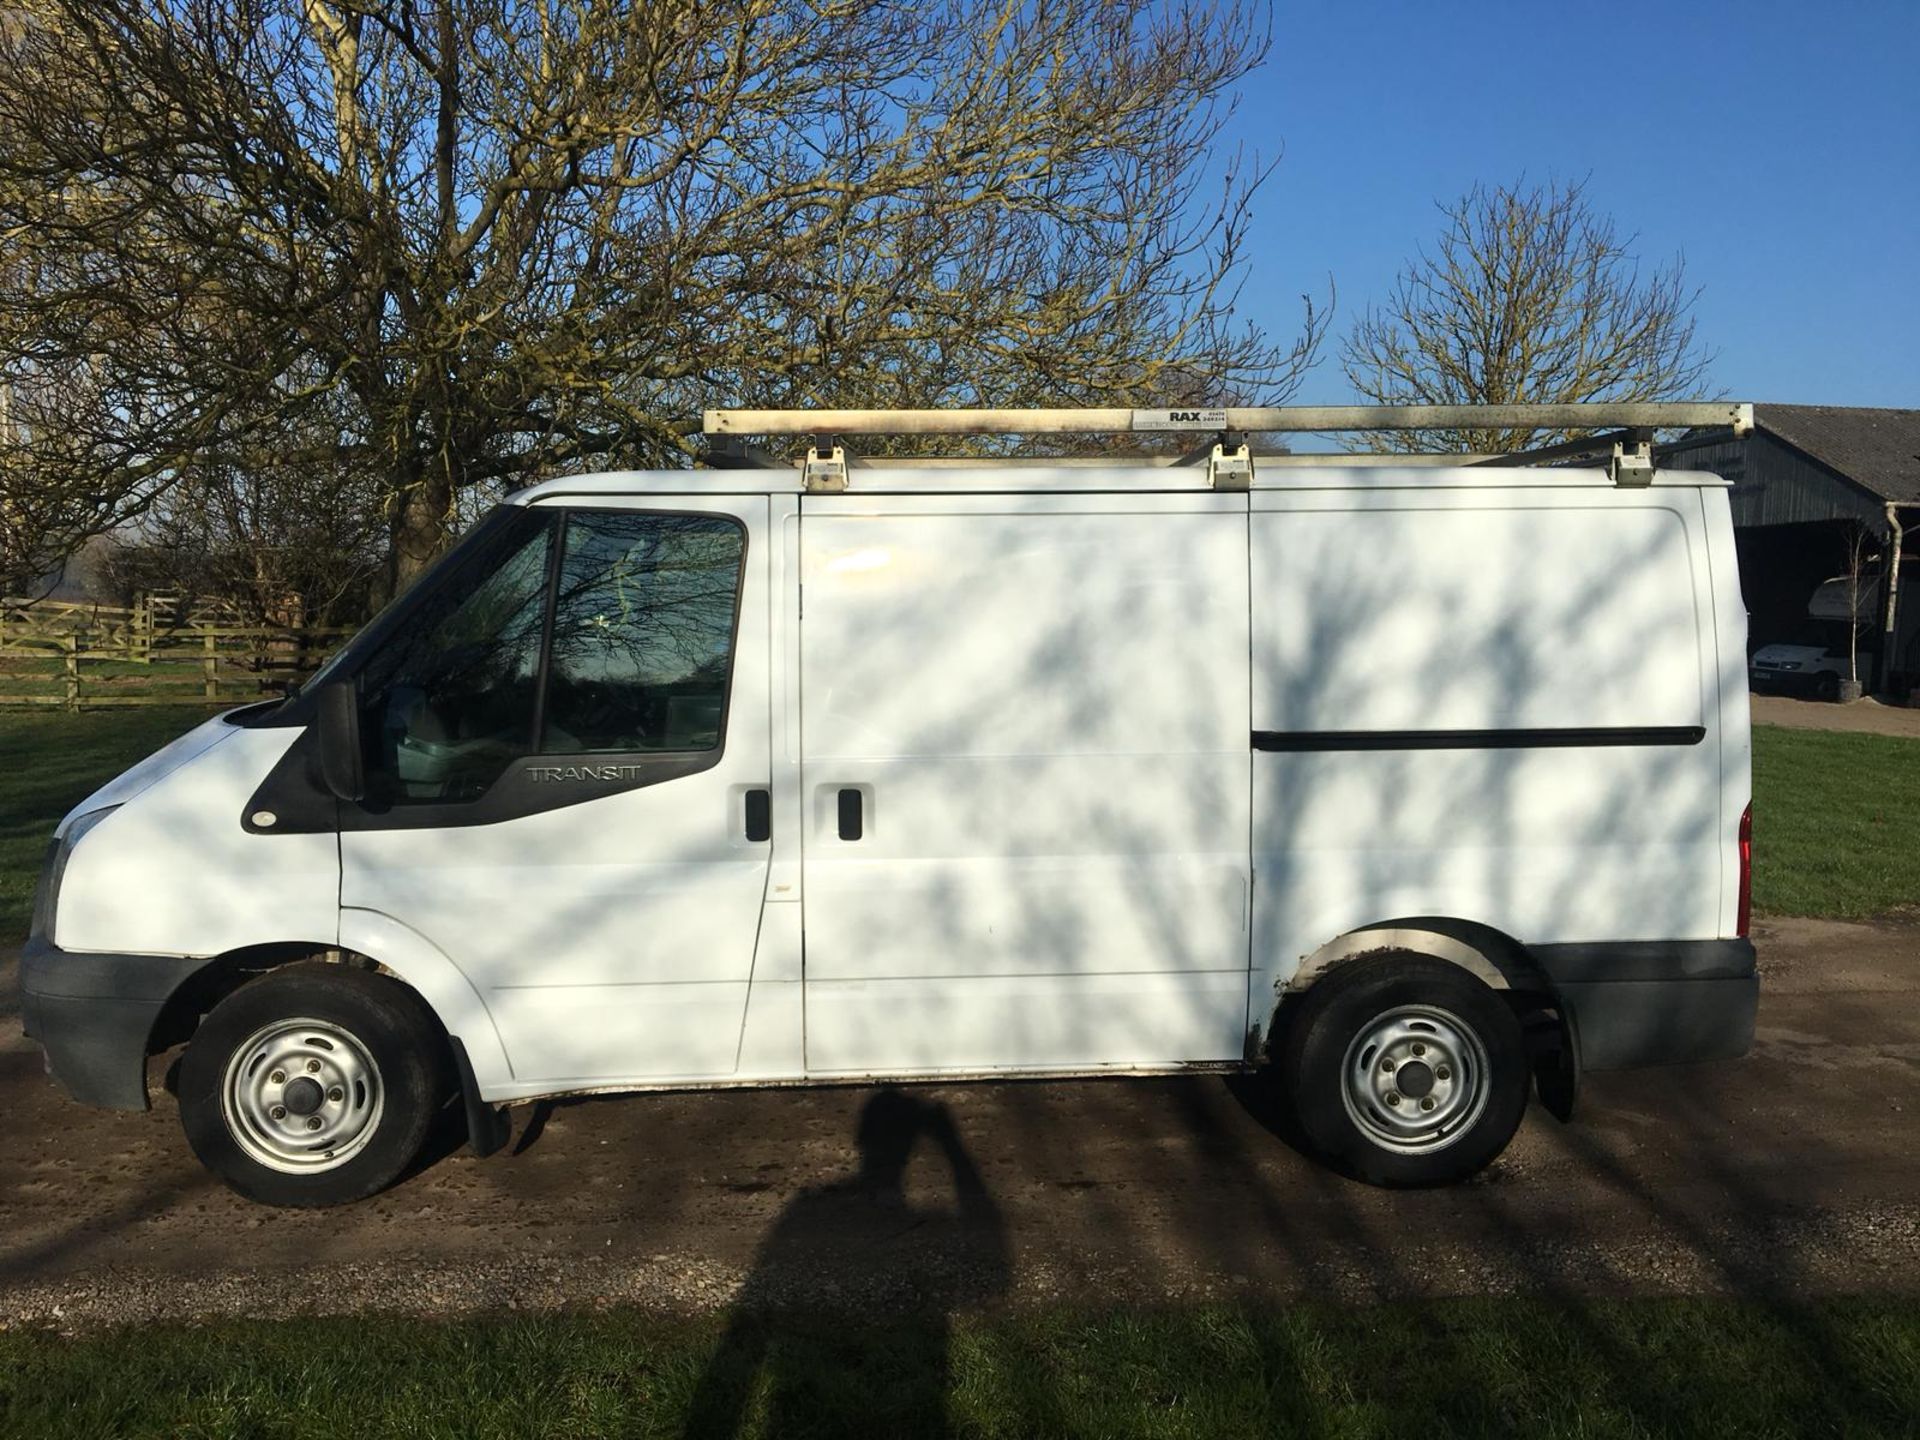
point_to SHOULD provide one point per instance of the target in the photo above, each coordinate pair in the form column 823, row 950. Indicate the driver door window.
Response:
column 569, row 633
column 642, row 633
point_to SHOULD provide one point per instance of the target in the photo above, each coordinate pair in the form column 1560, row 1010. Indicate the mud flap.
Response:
column 1555, row 1047
column 488, row 1128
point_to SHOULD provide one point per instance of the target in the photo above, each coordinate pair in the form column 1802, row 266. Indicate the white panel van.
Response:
column 1421, row 788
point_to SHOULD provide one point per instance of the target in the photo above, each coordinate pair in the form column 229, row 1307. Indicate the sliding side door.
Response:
column 1025, row 772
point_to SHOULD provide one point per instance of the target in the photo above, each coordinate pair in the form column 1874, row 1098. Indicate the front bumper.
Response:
column 1664, row 1002
column 94, row 1014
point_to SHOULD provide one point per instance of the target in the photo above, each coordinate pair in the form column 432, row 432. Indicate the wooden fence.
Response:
column 84, row 657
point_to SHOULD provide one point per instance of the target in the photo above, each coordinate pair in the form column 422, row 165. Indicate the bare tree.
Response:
column 1528, row 297
column 1858, row 542
column 280, row 532
column 496, row 237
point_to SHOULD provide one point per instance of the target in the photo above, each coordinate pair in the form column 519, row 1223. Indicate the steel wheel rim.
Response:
column 290, row 1074
column 1415, row 1079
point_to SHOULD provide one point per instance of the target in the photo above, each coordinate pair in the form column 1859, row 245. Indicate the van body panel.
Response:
column 1039, row 703
column 204, row 885
column 1732, row 705
column 1011, row 1023
column 1436, row 711
column 772, row 1037
column 613, row 938
column 1402, row 612
column 142, row 774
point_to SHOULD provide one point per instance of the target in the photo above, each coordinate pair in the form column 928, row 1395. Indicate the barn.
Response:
column 1819, row 490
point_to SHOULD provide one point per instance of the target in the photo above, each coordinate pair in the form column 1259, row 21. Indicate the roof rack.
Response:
column 1228, row 458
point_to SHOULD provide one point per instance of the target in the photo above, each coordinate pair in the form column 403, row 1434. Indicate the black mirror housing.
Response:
column 342, row 763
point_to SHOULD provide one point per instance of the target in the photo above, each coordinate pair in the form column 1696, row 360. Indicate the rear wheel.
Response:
column 1405, row 1070
column 315, row 1085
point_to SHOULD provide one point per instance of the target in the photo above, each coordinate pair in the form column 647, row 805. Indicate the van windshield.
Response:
column 369, row 635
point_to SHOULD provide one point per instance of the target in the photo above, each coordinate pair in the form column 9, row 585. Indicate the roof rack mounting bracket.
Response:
column 824, row 474
column 1631, row 464
column 1230, row 464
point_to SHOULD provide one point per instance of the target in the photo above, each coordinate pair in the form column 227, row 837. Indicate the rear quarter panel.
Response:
column 1485, row 610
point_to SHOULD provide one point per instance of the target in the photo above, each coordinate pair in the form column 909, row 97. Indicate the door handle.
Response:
column 850, row 815
column 759, row 815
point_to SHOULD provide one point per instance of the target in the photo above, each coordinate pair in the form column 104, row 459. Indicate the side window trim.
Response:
column 556, row 557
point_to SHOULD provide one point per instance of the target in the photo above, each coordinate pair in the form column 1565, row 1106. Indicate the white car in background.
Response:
column 1800, row 669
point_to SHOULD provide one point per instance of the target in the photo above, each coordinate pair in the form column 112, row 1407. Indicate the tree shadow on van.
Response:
column 854, row 1246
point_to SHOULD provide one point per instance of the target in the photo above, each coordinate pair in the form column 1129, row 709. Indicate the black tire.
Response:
column 408, row 1085
column 1828, row 688
column 1466, row 1016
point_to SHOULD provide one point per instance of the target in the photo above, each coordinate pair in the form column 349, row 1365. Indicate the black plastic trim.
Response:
column 1635, row 1003
column 94, row 1014
column 294, row 793
column 759, row 815
column 1556, row 738
column 1631, row 1024
column 40, row 918
column 850, row 818
column 533, row 784
column 1600, row 961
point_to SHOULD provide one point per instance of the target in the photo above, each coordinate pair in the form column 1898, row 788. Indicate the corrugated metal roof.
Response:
column 1877, row 449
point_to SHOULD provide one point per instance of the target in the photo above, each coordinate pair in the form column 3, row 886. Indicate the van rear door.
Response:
column 1025, row 777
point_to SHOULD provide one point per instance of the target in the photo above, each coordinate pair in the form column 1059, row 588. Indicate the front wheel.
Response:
column 1405, row 1070
column 314, row 1085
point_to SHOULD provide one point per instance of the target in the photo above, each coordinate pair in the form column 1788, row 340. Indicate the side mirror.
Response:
column 341, row 764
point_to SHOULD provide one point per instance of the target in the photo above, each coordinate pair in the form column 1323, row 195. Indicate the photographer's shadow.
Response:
column 857, row 1249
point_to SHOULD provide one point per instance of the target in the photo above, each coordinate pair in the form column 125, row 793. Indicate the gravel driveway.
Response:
column 1794, row 1170
column 1866, row 716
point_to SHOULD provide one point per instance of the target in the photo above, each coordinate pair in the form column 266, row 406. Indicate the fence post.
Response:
column 212, row 674
column 71, row 644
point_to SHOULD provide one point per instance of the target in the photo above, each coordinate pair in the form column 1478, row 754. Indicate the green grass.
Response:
column 1463, row 1367
column 1836, row 823
column 1836, row 816
column 49, row 764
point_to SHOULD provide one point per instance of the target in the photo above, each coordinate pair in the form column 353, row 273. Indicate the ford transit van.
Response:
column 1421, row 788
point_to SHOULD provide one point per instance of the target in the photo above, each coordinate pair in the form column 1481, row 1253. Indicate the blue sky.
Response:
column 1777, row 146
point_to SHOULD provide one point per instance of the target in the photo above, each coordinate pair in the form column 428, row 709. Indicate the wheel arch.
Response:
column 423, row 966
column 1490, row 955
column 218, row 977
column 398, row 950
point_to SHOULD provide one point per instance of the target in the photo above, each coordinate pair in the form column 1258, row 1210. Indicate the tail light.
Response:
column 1746, row 869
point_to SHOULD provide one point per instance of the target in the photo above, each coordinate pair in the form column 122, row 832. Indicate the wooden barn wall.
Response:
column 1774, row 484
